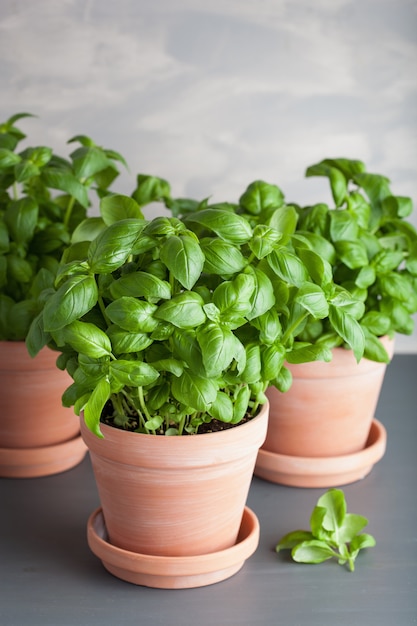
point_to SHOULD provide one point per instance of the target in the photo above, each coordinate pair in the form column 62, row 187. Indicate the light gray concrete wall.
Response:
column 212, row 94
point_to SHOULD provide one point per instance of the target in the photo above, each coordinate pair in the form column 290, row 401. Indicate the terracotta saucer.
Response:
column 297, row 471
column 43, row 461
column 173, row 572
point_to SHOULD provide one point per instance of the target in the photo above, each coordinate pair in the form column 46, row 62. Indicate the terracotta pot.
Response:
column 327, row 413
column 175, row 496
column 38, row 436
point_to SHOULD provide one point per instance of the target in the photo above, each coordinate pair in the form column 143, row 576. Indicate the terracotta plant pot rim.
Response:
column 177, row 447
column 177, row 571
column 41, row 461
column 323, row 471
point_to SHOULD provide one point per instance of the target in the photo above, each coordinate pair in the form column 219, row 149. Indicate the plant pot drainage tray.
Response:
column 297, row 471
column 177, row 572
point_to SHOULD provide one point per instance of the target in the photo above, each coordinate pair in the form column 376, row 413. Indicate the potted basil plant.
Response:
column 172, row 336
column 43, row 197
column 372, row 250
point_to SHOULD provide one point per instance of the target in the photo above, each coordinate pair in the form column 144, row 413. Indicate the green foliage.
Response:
column 372, row 251
column 43, row 199
column 168, row 324
column 312, row 306
column 334, row 534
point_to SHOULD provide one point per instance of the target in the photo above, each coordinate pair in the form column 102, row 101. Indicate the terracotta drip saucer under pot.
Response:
column 297, row 471
column 178, row 572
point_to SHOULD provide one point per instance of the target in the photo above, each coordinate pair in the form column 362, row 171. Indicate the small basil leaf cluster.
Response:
column 335, row 534
column 43, row 197
column 371, row 248
column 168, row 324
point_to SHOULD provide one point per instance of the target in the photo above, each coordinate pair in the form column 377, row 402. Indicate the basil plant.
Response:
column 176, row 326
column 371, row 248
column 43, row 197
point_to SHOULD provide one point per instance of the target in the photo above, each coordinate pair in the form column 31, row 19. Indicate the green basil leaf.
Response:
column 187, row 349
column 263, row 297
column 4, row 238
column 184, row 311
column 288, row 267
column 316, row 524
column 217, row 345
column 95, row 405
column 150, row 189
column 56, row 178
column 336, row 177
column 284, row 221
column 351, row 526
column 116, row 207
column 88, row 230
column 343, row 226
column 396, row 285
column 87, row 339
column 74, row 298
column 21, row 218
column 168, row 365
column 183, row 257
column 113, row 245
column 25, row 170
column 194, row 391
column 319, row 269
column 222, row 408
column 252, row 371
column 288, row 541
column 88, row 161
column 19, row 269
column 269, row 326
column 272, row 358
column 309, row 352
column 8, row 158
column 228, row 226
column 349, row 329
column 352, row 253
column 312, row 298
column 374, row 350
column 316, row 242
column 313, row 551
column 376, row 322
column 335, row 504
column 133, row 315
column 233, row 298
column 141, row 284
column 36, row 337
column 362, row 541
column 387, row 260
column 365, row 277
column 401, row 321
column 241, row 403
column 125, row 342
column 397, row 206
column 222, row 258
column 283, row 381
column 260, row 196
column 133, row 373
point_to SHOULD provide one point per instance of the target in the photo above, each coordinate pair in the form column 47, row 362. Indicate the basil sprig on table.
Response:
column 167, row 324
column 43, row 197
column 335, row 534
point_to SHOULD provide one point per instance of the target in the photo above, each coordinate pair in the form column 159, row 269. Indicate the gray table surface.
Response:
column 50, row 577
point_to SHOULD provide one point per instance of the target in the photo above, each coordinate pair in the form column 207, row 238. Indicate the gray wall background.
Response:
column 213, row 94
